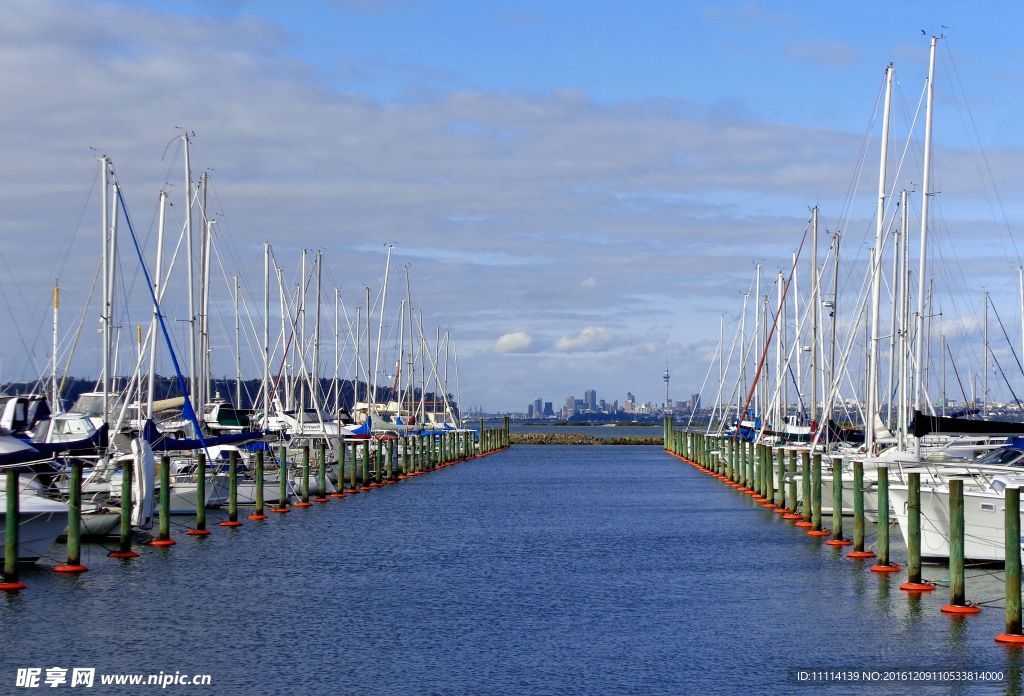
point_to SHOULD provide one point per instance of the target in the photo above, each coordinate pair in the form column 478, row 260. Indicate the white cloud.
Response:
column 515, row 342
column 589, row 339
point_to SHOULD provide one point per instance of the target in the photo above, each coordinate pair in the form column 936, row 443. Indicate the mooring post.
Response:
column 816, row 530
column 914, row 582
column 883, row 565
column 282, row 475
column 805, row 490
column 780, row 494
column 791, row 496
column 164, row 536
column 321, row 479
column 837, row 504
column 858, row 513
column 11, row 583
column 957, row 590
column 200, row 496
column 304, row 483
column 1011, row 567
column 124, row 547
column 364, row 479
column 232, row 520
column 259, row 514
column 74, row 544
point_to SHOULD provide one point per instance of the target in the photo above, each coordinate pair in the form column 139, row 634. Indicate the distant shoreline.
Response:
column 578, row 439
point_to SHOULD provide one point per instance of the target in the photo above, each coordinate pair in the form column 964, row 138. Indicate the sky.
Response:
column 580, row 191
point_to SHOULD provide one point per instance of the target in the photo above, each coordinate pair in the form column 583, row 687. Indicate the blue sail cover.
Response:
column 162, row 442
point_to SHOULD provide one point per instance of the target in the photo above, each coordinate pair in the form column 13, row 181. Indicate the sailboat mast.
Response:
column 380, row 322
column 266, row 335
column 189, row 244
column 315, row 389
column 238, row 351
column 814, row 314
column 876, row 275
column 157, row 290
column 919, row 382
column 54, row 402
column 984, row 390
column 105, row 262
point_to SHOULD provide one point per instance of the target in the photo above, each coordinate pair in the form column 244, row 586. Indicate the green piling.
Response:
column 232, row 520
column 74, row 542
column 321, row 460
column 124, row 547
column 164, row 535
column 282, row 475
column 1012, row 569
column 11, row 583
column 805, row 485
column 884, row 565
column 858, row 513
column 259, row 514
column 957, row 589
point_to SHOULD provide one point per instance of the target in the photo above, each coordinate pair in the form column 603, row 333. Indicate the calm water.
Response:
column 579, row 570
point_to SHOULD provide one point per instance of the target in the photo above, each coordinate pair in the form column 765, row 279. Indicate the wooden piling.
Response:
column 74, row 544
column 884, row 565
column 164, row 535
column 232, row 520
column 858, row 513
column 816, row 529
column 957, row 590
column 1013, row 633
column 124, row 547
column 259, row 514
column 10, row 581
column 321, row 479
column 914, row 582
column 837, row 504
column 805, row 490
column 303, row 501
column 282, row 475
column 200, row 528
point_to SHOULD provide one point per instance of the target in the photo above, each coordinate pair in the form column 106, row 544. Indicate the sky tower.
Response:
column 666, row 378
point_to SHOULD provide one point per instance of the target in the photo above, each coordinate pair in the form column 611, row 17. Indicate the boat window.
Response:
column 1003, row 457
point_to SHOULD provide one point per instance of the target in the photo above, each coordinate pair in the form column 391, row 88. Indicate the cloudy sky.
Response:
column 580, row 190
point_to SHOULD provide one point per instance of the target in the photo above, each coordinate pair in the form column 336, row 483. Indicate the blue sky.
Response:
column 581, row 189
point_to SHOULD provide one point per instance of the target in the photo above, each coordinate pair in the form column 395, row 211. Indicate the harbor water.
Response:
column 536, row 570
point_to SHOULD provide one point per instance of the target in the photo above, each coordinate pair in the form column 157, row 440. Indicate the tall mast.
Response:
column 832, row 372
column 302, row 338
column 984, row 382
column 266, row 335
column 368, row 376
column 189, row 244
column 876, row 275
column 904, row 299
column 105, row 263
column 238, row 351
column 815, row 303
column 157, row 290
column 380, row 321
column 756, row 338
column 779, row 322
column 919, row 382
column 54, row 397
column 798, row 337
column 337, row 352
column 315, row 388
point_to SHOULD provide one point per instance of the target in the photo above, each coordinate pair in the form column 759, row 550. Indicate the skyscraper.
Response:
column 590, row 399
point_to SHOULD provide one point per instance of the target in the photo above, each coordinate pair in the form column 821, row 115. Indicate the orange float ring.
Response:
column 163, row 542
column 917, row 587
column 254, row 516
column 891, row 568
column 959, row 609
column 861, row 554
column 1010, row 638
column 229, row 523
column 71, row 568
column 11, row 586
column 198, row 532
